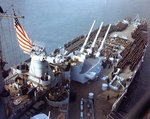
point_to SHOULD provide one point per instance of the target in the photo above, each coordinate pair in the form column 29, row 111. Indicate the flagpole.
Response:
column 11, row 16
column 3, row 13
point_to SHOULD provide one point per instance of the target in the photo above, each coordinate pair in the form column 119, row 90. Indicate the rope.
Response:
column 9, row 8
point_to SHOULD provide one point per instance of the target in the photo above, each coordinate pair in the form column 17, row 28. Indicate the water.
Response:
column 54, row 22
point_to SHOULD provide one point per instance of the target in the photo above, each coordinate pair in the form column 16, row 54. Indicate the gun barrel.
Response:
column 86, row 40
column 103, row 41
column 100, row 27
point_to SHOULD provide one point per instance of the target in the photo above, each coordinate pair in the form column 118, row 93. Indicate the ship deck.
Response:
column 138, row 93
column 103, row 100
column 102, row 106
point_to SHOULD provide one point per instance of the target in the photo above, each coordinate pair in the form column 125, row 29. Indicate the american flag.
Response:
column 24, row 41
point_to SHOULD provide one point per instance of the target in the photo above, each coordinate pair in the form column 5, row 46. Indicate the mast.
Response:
column 4, row 94
column 4, row 15
column 103, row 41
column 86, row 40
column 93, row 44
column 10, row 16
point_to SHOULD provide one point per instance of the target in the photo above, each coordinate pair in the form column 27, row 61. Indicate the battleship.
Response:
column 87, row 78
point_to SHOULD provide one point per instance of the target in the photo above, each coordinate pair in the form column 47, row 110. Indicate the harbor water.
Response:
column 55, row 22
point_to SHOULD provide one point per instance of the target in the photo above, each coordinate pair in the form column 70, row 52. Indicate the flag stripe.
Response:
column 24, row 44
column 21, row 34
column 24, row 41
column 24, row 47
column 18, row 31
column 29, row 40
